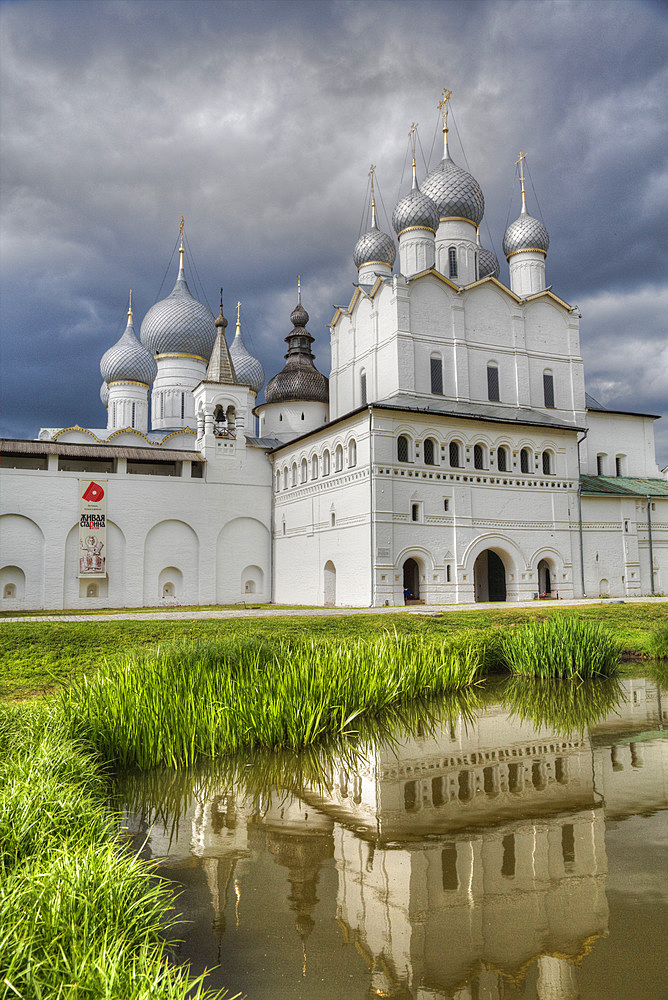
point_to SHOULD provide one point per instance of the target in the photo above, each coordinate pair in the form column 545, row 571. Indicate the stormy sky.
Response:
column 258, row 121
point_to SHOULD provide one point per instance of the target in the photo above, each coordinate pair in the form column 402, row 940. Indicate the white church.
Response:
column 451, row 456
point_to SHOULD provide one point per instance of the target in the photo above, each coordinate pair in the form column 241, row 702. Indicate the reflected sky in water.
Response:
column 509, row 843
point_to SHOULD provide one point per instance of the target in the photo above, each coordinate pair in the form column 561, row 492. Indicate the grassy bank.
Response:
column 80, row 916
column 205, row 699
column 38, row 657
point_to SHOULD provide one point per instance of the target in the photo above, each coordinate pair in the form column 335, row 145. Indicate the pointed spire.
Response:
column 181, row 250
column 372, row 170
column 443, row 108
column 520, row 159
column 221, row 368
column 412, row 134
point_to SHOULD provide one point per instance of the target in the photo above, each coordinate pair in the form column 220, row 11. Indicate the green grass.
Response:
column 177, row 704
column 562, row 647
column 39, row 657
column 658, row 644
column 81, row 916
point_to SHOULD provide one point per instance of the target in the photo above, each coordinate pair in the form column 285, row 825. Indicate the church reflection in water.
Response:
column 459, row 858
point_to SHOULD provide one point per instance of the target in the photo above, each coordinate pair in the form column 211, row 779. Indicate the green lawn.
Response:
column 38, row 657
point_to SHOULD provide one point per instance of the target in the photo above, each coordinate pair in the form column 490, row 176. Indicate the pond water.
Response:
column 511, row 844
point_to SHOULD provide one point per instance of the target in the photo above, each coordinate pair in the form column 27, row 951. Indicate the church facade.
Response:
column 453, row 454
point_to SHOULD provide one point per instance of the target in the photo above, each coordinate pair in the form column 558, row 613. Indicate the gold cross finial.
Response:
column 238, row 309
column 130, row 305
column 443, row 107
column 181, row 226
column 221, row 300
column 299, row 288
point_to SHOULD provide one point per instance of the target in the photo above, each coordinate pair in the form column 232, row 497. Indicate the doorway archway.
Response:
column 545, row 577
column 330, row 584
column 412, row 580
column 489, row 575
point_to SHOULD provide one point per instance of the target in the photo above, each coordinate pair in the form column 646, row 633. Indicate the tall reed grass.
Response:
column 560, row 646
column 80, row 916
column 178, row 704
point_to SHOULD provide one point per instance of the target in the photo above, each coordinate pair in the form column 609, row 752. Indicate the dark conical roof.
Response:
column 299, row 379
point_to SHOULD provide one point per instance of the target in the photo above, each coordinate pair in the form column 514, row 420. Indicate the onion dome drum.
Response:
column 179, row 324
column 455, row 192
column 526, row 233
column 128, row 360
column 415, row 211
column 488, row 263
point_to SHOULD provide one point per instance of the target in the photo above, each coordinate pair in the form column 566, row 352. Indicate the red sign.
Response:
column 93, row 494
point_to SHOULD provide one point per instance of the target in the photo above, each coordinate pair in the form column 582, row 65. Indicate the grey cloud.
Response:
column 258, row 123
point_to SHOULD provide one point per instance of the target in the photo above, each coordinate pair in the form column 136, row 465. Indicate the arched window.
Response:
column 599, row 464
column 478, row 456
column 304, row 470
column 325, row 462
column 231, row 417
column 294, row 474
column 455, row 462
column 502, row 459
column 493, row 383
column 314, row 467
column 402, row 448
column 278, row 481
column 363, row 387
column 548, row 389
column 352, row 453
column 524, row 461
column 338, row 458
column 452, row 262
column 429, row 458
column 547, row 463
column 436, row 374
column 285, row 478
column 619, row 465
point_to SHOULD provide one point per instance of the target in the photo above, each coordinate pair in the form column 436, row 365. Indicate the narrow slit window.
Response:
column 183, row 405
column 452, row 262
column 599, row 465
column 363, row 388
column 547, row 463
column 619, row 465
column 548, row 390
column 436, row 372
column 493, row 383
column 415, row 512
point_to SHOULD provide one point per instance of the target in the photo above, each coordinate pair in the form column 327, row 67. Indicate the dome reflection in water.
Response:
column 504, row 845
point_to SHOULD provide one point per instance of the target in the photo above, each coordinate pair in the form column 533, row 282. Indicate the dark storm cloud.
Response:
column 258, row 121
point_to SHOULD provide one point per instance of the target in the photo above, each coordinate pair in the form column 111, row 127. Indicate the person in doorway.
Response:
column 407, row 595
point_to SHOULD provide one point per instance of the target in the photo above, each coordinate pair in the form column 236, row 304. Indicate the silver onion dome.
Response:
column 525, row 233
column 488, row 263
column 455, row 192
column 373, row 247
column 128, row 360
column 299, row 379
column 415, row 211
column 247, row 369
column 104, row 394
column 179, row 324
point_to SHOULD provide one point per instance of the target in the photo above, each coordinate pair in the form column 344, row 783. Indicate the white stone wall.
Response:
column 616, row 546
column 627, row 436
column 207, row 538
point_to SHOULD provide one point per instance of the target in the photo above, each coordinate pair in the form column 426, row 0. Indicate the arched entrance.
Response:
column 489, row 575
column 411, row 580
column 544, row 577
column 330, row 584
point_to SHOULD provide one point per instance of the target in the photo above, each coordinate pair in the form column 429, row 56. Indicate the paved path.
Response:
column 137, row 614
